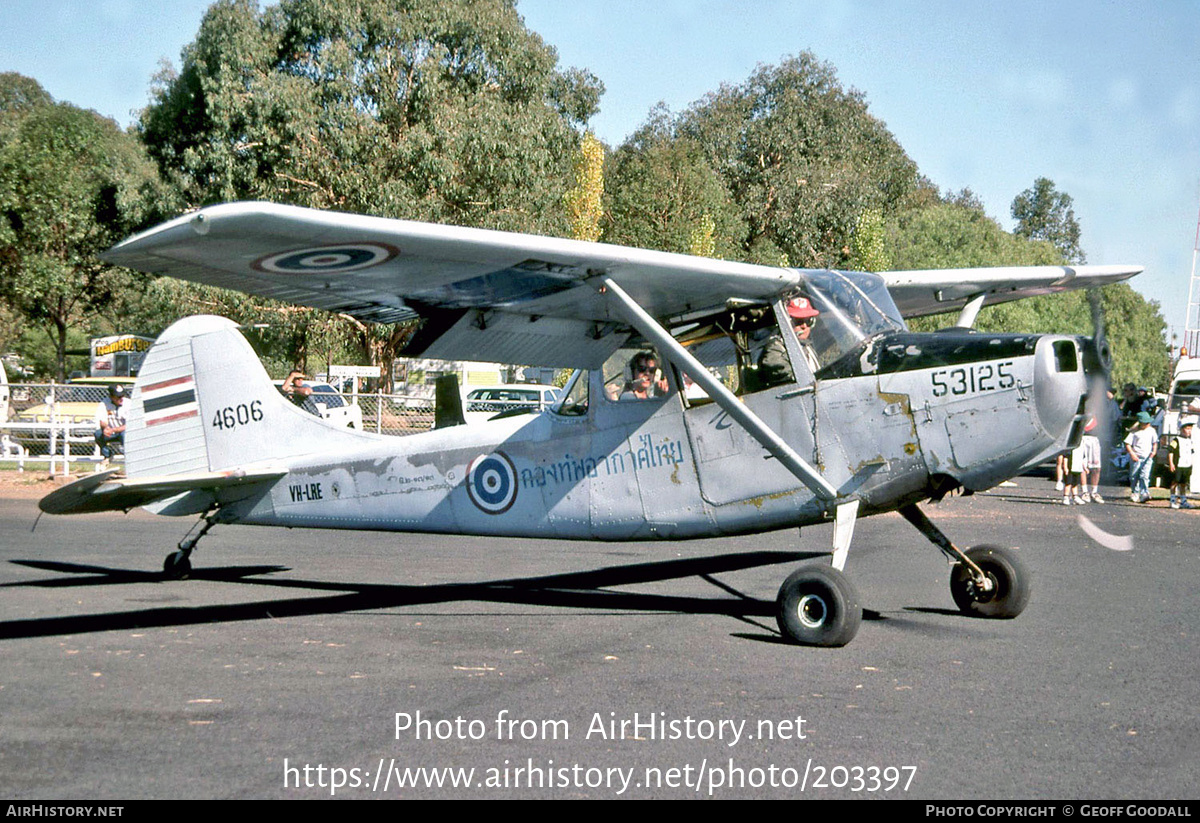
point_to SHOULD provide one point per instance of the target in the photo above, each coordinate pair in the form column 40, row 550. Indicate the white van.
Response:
column 1185, row 389
column 1183, row 401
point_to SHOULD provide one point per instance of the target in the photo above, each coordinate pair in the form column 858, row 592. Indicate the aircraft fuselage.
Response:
column 973, row 408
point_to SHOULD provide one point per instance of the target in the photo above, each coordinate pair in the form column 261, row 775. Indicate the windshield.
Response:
column 857, row 302
column 327, row 395
column 853, row 306
column 1183, row 393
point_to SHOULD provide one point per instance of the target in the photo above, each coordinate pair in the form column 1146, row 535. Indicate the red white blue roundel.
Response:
column 492, row 482
column 327, row 259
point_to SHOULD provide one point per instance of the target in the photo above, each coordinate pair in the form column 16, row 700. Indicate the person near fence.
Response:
column 110, row 421
column 294, row 389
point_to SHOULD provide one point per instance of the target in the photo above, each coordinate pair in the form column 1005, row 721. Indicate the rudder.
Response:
column 204, row 402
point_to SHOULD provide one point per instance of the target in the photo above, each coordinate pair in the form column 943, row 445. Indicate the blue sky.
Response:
column 1101, row 97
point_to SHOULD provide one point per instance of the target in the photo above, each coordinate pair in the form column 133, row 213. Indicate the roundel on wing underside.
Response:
column 335, row 259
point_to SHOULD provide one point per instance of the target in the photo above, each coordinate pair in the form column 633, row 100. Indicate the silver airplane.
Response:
column 709, row 397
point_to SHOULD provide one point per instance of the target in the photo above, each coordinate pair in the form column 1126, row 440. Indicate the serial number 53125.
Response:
column 976, row 377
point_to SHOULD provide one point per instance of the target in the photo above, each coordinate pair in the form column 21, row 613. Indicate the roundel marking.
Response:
column 492, row 482
column 326, row 259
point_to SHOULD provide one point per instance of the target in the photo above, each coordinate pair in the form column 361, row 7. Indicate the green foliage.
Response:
column 1134, row 327
column 444, row 111
column 583, row 201
column 868, row 246
column 1044, row 213
column 284, row 336
column 661, row 191
column 1136, row 332
column 451, row 112
column 71, row 185
column 802, row 158
column 39, row 354
column 957, row 234
column 20, row 95
column 703, row 241
column 12, row 325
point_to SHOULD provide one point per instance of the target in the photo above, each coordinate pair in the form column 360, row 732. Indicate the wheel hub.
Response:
column 812, row 611
column 983, row 588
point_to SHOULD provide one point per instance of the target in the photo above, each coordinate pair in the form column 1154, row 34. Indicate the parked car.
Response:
column 487, row 402
column 329, row 404
column 74, row 403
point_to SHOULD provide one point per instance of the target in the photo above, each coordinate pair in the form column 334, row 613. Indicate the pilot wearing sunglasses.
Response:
column 773, row 364
column 646, row 380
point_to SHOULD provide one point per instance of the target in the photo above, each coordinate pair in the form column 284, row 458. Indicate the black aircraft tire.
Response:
column 818, row 606
column 177, row 566
column 1012, row 584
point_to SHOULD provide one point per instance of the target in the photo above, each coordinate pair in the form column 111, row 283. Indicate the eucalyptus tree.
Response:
column 450, row 112
column 72, row 183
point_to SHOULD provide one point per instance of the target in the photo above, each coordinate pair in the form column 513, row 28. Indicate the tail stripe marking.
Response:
column 163, row 384
column 166, row 402
column 170, row 400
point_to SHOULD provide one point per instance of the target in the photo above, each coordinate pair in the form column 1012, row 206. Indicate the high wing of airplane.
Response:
column 934, row 291
column 709, row 397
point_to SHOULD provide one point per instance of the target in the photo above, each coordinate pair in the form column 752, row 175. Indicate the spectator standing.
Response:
column 1180, row 457
column 1141, row 444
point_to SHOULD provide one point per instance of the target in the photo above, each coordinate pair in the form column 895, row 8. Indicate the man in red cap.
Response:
column 773, row 364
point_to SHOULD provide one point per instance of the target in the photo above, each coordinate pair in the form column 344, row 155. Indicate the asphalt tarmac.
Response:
column 308, row 664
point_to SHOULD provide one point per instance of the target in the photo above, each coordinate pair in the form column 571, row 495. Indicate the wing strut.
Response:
column 722, row 396
column 966, row 317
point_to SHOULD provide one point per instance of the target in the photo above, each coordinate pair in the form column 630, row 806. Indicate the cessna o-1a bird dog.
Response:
column 734, row 422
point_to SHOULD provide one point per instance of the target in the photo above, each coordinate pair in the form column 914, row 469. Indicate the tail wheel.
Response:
column 177, row 566
column 818, row 606
column 1005, row 593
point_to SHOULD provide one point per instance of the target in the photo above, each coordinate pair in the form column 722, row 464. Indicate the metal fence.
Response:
column 395, row 414
column 54, row 423
column 49, row 423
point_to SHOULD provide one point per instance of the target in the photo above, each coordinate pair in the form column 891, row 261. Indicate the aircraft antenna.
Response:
column 1191, row 334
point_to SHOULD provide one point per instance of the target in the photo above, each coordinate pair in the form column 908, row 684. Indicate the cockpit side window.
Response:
column 728, row 345
column 574, row 400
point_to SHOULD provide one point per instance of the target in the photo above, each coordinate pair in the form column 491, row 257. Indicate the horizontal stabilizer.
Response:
column 108, row 491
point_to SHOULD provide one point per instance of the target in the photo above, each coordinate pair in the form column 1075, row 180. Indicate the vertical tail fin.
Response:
column 204, row 402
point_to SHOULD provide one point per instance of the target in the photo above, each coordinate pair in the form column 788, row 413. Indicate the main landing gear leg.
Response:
column 818, row 605
column 985, row 581
column 178, row 565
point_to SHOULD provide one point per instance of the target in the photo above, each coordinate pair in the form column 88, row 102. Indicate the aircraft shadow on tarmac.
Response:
column 584, row 589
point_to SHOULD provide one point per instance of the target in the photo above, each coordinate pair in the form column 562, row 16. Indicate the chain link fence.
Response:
column 395, row 414
column 55, row 423
column 52, row 423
